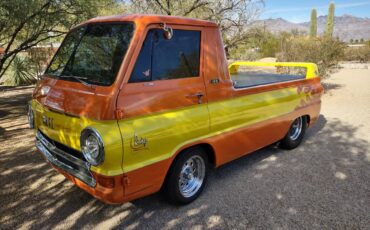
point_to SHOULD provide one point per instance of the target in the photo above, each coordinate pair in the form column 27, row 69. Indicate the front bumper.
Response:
column 65, row 161
column 109, row 189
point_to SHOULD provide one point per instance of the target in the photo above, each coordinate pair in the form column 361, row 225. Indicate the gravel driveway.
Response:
column 323, row 184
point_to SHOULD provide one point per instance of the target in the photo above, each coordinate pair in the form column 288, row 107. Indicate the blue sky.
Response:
column 299, row 10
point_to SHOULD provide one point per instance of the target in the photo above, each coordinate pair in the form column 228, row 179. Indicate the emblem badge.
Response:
column 138, row 143
column 47, row 121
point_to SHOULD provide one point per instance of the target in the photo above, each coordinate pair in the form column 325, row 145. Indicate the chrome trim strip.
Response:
column 51, row 152
column 59, row 152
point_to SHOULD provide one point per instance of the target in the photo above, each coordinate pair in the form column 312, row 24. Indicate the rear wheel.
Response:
column 295, row 134
column 187, row 176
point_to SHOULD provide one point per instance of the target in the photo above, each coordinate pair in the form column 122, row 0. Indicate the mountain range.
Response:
column 346, row 27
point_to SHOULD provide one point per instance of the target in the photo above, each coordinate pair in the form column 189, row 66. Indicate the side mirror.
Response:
column 167, row 31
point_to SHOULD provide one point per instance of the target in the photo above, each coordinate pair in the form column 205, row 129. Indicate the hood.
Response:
column 76, row 99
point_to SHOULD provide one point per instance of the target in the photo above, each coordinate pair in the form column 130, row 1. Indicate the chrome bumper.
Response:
column 67, row 162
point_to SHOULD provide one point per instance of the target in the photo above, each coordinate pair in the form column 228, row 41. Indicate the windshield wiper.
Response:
column 78, row 79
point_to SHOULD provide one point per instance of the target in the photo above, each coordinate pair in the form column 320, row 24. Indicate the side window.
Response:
column 142, row 70
column 162, row 59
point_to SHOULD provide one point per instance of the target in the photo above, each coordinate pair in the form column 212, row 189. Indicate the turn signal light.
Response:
column 107, row 182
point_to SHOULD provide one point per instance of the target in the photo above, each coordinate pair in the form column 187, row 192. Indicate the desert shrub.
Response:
column 326, row 53
column 267, row 43
column 27, row 67
column 361, row 54
column 246, row 55
column 258, row 44
column 20, row 72
column 270, row 46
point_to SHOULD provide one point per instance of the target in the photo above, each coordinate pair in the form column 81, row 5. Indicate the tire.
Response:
column 187, row 177
column 295, row 134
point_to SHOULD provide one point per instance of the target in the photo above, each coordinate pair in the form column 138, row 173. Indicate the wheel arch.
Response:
column 308, row 119
column 208, row 149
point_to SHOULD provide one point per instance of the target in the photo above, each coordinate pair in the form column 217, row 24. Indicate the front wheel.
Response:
column 295, row 134
column 187, row 176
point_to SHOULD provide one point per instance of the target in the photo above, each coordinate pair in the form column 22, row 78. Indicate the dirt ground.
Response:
column 323, row 184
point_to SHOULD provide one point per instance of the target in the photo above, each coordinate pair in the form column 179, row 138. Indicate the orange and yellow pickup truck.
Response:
column 135, row 104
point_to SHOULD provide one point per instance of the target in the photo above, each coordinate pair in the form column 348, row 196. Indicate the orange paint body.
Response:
column 123, row 100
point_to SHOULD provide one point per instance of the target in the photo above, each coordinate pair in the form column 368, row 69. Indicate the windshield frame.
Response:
column 49, row 75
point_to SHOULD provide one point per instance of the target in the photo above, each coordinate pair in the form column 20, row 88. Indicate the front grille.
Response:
column 64, row 148
column 65, row 158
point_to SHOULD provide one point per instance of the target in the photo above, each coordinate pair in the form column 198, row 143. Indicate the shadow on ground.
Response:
column 324, row 182
column 329, row 86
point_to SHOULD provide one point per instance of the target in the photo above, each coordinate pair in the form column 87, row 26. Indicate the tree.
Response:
column 232, row 16
column 25, row 24
column 330, row 22
column 270, row 45
column 351, row 40
column 313, row 24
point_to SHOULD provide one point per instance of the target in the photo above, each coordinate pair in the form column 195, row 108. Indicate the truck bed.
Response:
column 249, row 79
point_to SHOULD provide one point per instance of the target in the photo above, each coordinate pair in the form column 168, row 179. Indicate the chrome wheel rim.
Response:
column 192, row 176
column 296, row 129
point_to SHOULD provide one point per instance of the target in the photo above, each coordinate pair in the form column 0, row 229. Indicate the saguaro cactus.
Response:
column 313, row 25
column 330, row 22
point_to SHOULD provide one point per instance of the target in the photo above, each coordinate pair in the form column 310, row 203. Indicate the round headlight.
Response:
column 31, row 116
column 92, row 146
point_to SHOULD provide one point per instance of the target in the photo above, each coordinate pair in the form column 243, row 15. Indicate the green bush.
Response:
column 325, row 53
column 259, row 44
column 20, row 72
column 245, row 54
column 361, row 54
column 270, row 46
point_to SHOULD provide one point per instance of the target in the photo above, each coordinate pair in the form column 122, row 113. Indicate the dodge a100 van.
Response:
column 134, row 104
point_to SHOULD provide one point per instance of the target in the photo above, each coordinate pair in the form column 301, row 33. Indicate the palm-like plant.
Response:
column 20, row 72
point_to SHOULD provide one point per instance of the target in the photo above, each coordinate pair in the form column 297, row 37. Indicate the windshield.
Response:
column 92, row 53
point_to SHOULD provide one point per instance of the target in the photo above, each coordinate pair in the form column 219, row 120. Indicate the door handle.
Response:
column 198, row 95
